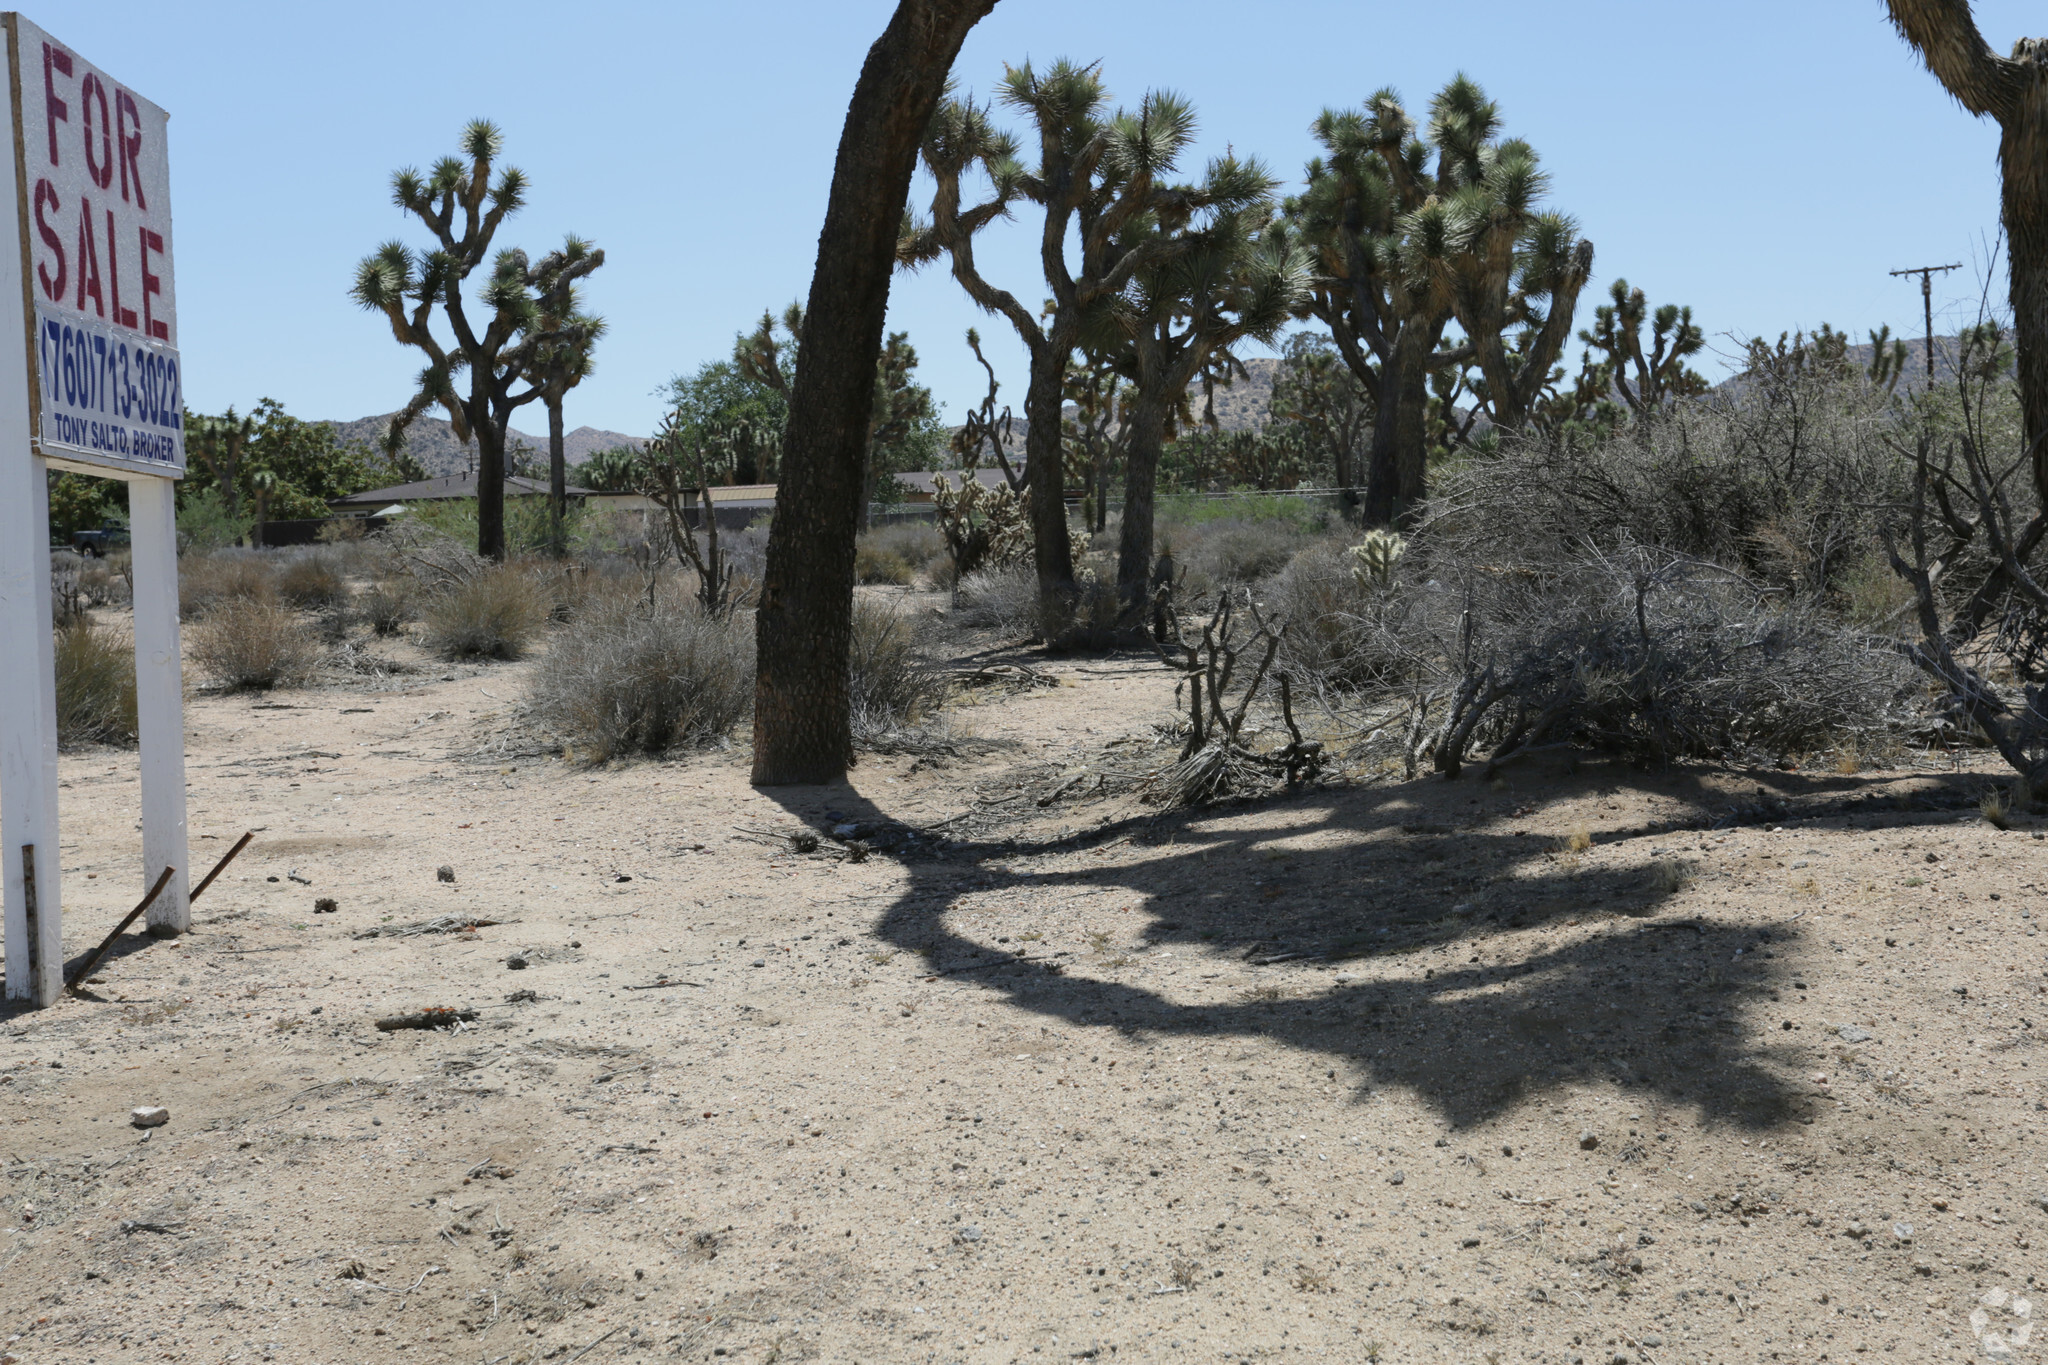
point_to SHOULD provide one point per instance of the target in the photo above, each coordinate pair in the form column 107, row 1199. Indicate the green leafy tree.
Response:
column 1092, row 174
column 462, row 206
column 81, row 502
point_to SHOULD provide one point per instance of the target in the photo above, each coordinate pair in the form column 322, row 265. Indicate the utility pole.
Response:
column 1927, row 274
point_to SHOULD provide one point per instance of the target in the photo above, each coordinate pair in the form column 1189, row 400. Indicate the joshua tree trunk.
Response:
column 558, row 479
column 2014, row 91
column 804, row 627
column 1397, row 469
column 1146, row 438
column 490, row 488
column 1045, row 468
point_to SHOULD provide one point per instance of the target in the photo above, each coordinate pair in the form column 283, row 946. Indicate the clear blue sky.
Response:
column 1765, row 162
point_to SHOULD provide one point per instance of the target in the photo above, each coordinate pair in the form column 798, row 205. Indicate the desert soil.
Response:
column 1362, row 1072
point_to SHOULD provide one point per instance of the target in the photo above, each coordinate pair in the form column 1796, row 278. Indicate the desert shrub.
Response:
column 891, row 685
column 494, row 615
column 1091, row 618
column 1639, row 652
column 874, row 563
column 95, row 685
column 1332, row 612
column 916, row 543
column 107, row 581
column 1785, row 479
column 312, row 581
column 207, row 580
column 388, row 604
column 632, row 678
column 1004, row 600
column 247, row 643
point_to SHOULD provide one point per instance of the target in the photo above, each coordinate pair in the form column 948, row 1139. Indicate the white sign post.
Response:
column 89, row 381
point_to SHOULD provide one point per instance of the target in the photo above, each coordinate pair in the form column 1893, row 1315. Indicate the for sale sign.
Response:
column 95, row 187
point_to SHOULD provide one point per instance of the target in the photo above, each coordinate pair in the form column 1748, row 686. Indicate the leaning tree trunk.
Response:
column 1045, row 465
column 558, row 479
column 2023, row 153
column 804, row 627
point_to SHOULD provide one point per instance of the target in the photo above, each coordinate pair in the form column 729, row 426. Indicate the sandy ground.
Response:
column 1365, row 1073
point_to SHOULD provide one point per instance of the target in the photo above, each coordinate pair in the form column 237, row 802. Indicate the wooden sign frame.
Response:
column 125, row 378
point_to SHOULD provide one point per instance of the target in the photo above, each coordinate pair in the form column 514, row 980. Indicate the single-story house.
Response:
column 917, row 485
column 383, row 502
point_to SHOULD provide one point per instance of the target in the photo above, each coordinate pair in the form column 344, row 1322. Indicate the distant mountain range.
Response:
column 431, row 441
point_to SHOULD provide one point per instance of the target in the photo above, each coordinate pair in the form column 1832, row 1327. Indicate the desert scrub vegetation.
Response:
column 628, row 676
column 253, row 644
column 900, row 554
column 95, row 685
column 496, row 613
column 209, row 578
column 312, row 579
column 893, row 685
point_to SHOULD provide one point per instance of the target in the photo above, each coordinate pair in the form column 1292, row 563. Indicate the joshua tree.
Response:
column 220, row 442
column 1213, row 286
column 561, row 358
column 2014, row 91
column 1410, row 232
column 803, row 723
column 1646, row 382
column 1093, row 175
column 462, row 207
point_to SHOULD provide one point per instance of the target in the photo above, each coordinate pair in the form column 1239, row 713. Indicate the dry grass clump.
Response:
column 388, row 604
column 311, row 580
column 493, row 615
column 207, row 580
column 1003, row 600
column 95, row 685
column 625, row 677
column 247, row 644
column 892, row 686
column 897, row 554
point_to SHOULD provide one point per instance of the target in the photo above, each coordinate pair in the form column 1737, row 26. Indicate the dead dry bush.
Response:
column 247, row 644
column 1783, row 476
column 95, row 685
column 493, row 615
column 628, row 677
column 205, row 581
column 900, row 554
column 893, row 686
column 1645, row 653
column 1003, row 600
column 388, row 604
column 310, row 579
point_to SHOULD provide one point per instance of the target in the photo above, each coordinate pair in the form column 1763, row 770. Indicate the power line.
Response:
column 1927, row 274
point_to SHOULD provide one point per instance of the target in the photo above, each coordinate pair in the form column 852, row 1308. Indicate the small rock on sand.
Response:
column 1589, row 1139
column 149, row 1116
column 444, row 873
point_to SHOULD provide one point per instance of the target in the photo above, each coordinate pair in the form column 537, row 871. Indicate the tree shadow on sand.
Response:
column 1489, row 1011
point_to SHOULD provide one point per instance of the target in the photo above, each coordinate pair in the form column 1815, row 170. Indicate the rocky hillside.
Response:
column 432, row 441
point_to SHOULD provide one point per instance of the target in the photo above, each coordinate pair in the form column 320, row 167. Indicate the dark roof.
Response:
column 447, row 486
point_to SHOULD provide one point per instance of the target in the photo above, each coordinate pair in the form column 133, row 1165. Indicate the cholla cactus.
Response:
column 982, row 525
column 1374, row 558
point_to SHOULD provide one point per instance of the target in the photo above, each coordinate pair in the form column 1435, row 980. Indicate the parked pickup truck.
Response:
column 107, row 537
